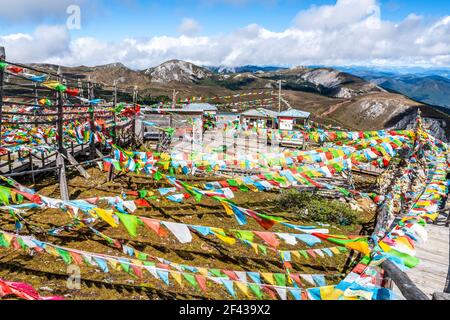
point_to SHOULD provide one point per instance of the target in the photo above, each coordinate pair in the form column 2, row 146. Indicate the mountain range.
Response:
column 430, row 86
column 366, row 102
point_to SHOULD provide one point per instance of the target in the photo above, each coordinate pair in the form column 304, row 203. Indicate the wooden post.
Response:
column 114, row 113
column 2, row 73
column 91, row 120
column 59, row 158
column 62, row 177
column 114, row 131
column 9, row 162
column 60, row 116
column 80, row 87
column 32, row 168
column 133, row 119
column 36, row 104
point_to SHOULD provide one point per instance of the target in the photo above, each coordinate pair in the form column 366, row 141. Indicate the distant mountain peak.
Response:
column 111, row 65
column 177, row 71
column 243, row 69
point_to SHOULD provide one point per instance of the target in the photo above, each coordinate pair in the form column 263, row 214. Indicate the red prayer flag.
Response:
column 269, row 238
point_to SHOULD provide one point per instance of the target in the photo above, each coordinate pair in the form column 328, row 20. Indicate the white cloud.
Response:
column 189, row 27
column 350, row 32
column 344, row 12
column 45, row 44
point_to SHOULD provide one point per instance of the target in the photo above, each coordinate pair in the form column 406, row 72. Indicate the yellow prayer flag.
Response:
column 243, row 287
column 106, row 215
column 327, row 293
column 177, row 276
column 296, row 254
column 268, row 277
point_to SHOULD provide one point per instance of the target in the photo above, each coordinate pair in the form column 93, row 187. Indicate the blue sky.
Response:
column 150, row 18
column 155, row 27
column 111, row 19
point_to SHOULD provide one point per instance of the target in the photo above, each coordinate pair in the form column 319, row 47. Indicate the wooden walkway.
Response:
column 433, row 273
column 35, row 163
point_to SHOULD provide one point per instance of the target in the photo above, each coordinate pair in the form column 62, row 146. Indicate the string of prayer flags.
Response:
column 359, row 244
column 45, row 102
column 54, row 85
column 107, row 263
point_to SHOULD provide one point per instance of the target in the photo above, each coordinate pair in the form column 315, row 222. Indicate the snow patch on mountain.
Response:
column 373, row 109
column 177, row 71
column 323, row 77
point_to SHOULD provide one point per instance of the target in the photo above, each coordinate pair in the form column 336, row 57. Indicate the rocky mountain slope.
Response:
column 177, row 71
column 330, row 95
column 243, row 69
column 431, row 86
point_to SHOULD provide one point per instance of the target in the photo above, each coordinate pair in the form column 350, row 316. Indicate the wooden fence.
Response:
column 29, row 105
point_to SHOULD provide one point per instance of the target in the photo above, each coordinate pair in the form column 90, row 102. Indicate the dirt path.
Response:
column 333, row 108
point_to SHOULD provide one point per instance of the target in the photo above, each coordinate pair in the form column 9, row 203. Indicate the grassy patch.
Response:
column 310, row 206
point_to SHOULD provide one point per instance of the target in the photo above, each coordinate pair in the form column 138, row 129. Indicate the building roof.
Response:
column 200, row 107
column 294, row 113
column 260, row 112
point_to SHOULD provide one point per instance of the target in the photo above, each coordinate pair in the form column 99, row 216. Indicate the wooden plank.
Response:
column 99, row 154
column 78, row 166
column 62, row 178
column 432, row 273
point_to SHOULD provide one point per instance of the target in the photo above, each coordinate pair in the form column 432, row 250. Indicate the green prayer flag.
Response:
column 263, row 249
column 170, row 131
column 5, row 194
column 157, row 176
column 142, row 255
column 245, row 235
column 271, row 218
column 304, row 254
column 125, row 267
column 191, row 279
column 65, row 255
column 243, row 188
column 216, row 272
column 22, row 243
column 256, row 290
column 130, row 222
column 345, row 192
column 142, row 193
column 60, row 88
column 3, row 242
column 119, row 107
column 366, row 260
column 408, row 260
column 116, row 165
column 233, row 183
column 280, row 279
